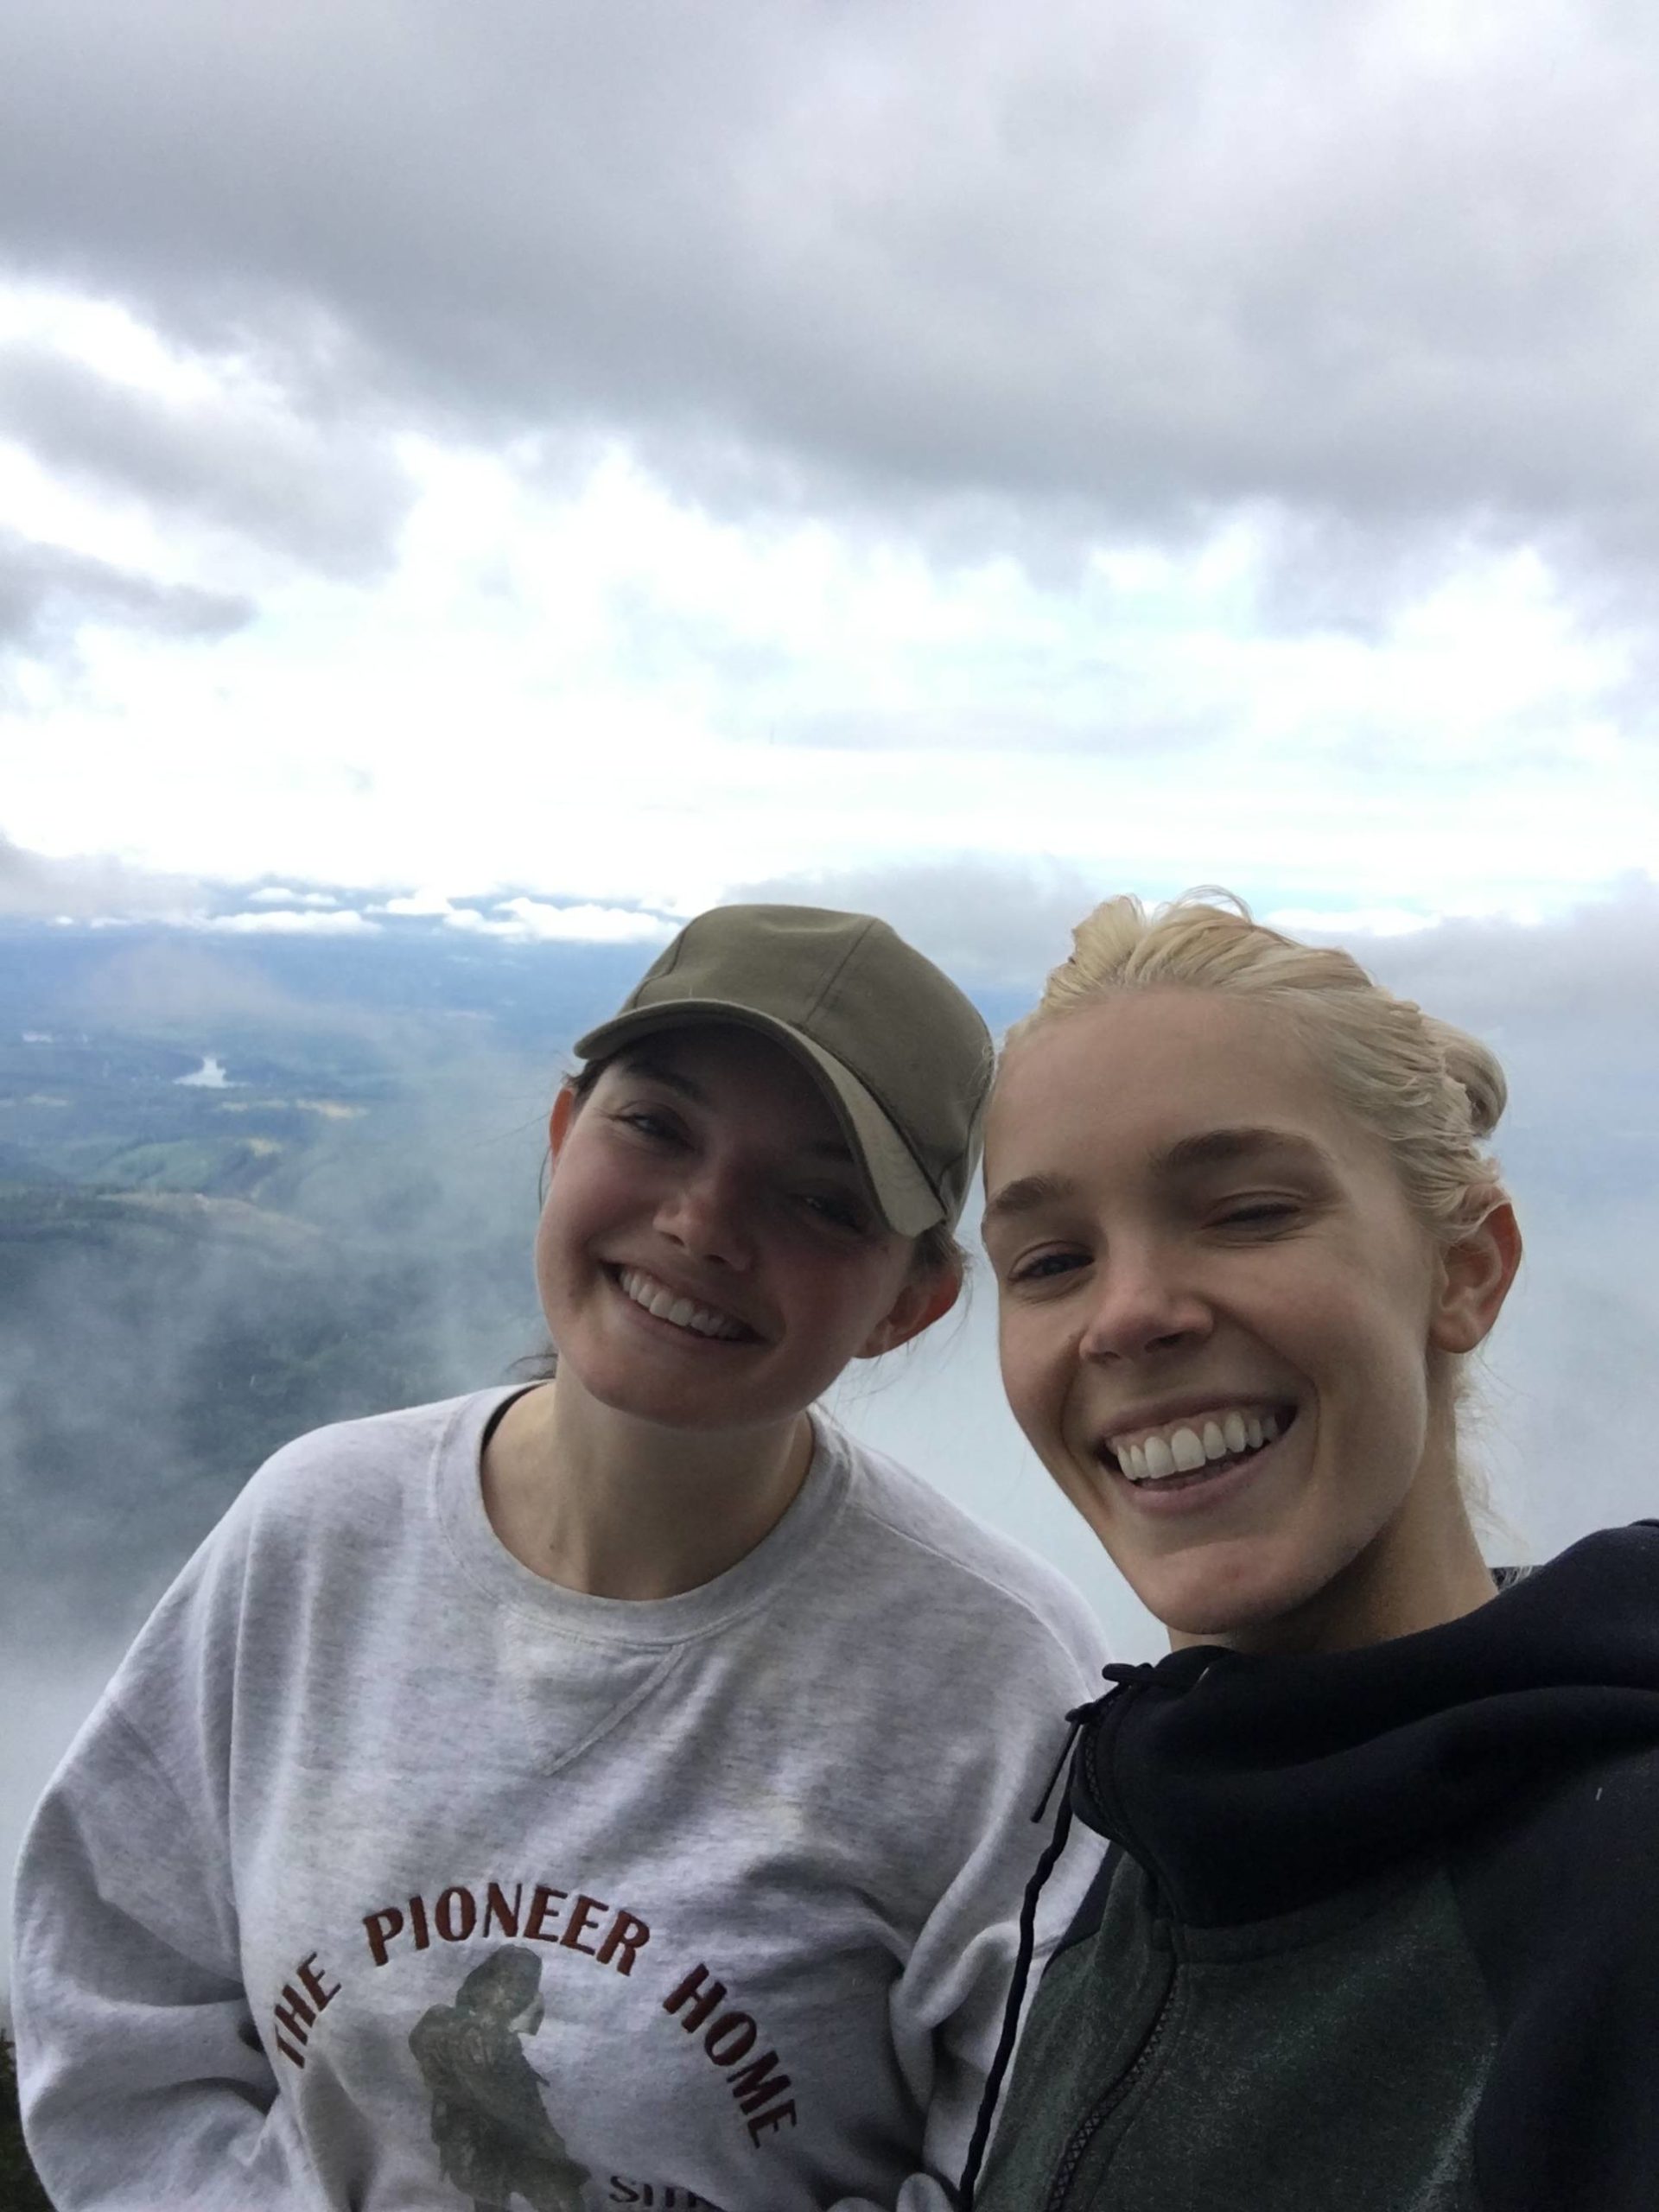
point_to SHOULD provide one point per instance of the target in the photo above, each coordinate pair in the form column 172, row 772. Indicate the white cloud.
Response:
column 587, row 925
column 278, row 894
column 526, row 920
column 289, row 922
column 608, row 696
column 434, row 903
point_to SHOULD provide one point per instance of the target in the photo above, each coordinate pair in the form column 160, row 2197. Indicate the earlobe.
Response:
column 1477, row 1273
column 923, row 1301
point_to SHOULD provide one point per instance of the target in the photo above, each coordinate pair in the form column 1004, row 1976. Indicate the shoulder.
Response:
column 350, row 1467
column 1572, row 1863
column 911, row 1537
column 313, row 1560
column 1560, row 1902
column 318, row 1512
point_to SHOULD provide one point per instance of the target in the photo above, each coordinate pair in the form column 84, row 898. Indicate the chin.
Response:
column 671, row 1406
column 1240, row 1602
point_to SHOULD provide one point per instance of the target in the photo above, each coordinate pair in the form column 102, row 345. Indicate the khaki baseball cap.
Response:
column 899, row 1052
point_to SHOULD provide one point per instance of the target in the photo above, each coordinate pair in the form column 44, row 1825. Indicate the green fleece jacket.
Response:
column 1380, row 1932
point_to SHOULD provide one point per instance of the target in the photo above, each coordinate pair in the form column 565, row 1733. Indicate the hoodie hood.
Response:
column 1249, row 1786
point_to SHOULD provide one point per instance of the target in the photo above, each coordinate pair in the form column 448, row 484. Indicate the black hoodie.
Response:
column 1381, row 1932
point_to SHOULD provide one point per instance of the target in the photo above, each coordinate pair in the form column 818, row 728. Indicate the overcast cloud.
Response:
column 1383, row 260
column 46, row 593
column 602, row 455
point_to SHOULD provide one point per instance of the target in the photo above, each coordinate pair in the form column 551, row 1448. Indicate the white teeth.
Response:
column 666, row 1307
column 1187, row 1449
column 1189, row 1445
column 1160, row 1460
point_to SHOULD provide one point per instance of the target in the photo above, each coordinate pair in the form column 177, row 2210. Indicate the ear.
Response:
column 559, row 1120
column 1476, row 1274
column 923, row 1301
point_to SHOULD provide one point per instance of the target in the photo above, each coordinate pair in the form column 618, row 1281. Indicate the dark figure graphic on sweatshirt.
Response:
column 494, row 2138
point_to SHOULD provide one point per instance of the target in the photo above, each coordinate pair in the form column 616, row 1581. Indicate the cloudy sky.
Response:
column 607, row 455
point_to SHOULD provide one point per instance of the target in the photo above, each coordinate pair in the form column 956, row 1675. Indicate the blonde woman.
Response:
column 1379, row 1931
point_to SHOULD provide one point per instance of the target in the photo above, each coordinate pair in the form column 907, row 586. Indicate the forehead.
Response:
column 1128, row 1077
column 726, row 1069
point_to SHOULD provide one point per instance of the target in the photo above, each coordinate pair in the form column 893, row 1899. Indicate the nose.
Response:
column 1141, row 1307
column 703, row 1214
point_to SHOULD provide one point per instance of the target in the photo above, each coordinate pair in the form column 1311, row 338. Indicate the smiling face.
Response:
column 709, row 1255
column 1220, row 1322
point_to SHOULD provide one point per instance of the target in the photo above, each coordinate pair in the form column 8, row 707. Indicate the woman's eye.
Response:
column 649, row 1124
column 1259, row 1213
column 841, row 1213
column 1044, row 1266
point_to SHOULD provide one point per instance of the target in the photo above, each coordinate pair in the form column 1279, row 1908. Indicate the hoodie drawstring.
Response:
column 1119, row 1674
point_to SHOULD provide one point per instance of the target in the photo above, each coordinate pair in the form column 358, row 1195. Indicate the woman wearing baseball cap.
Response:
column 611, row 1790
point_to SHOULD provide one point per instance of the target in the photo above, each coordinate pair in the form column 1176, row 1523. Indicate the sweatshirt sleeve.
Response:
column 948, row 2005
column 142, row 2078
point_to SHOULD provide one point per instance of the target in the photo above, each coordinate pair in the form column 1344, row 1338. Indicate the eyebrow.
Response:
column 656, row 1070
column 1187, row 1156
column 1026, row 1194
column 1223, row 1148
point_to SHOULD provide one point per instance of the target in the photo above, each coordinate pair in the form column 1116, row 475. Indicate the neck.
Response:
column 595, row 1500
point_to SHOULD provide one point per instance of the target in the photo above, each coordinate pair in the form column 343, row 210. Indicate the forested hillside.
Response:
column 233, row 1208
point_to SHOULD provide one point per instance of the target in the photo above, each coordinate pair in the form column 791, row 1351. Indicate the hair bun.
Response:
column 1476, row 1071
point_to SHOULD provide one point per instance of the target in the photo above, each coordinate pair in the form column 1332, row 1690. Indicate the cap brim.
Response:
column 907, row 1201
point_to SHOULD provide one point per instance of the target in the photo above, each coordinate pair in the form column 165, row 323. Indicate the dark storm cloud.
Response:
column 1366, row 260
column 47, row 595
column 326, row 495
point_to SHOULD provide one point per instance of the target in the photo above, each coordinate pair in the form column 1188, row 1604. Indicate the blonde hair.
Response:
column 1431, row 1094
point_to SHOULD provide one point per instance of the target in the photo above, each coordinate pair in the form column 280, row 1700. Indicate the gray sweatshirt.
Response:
column 389, row 1876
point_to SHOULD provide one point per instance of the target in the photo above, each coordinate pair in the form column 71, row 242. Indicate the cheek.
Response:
column 558, row 1238
column 1031, row 1379
column 544, row 1251
column 1375, row 1360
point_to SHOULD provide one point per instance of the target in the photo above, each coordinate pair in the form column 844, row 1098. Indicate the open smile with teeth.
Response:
column 1211, row 1442
column 669, row 1305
